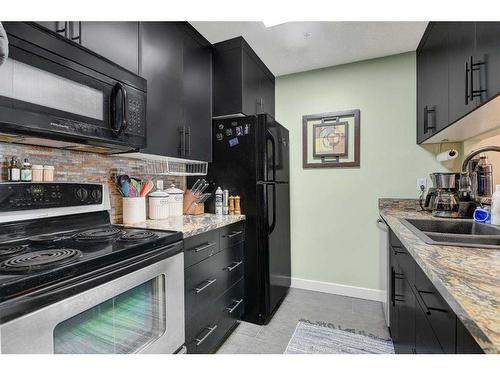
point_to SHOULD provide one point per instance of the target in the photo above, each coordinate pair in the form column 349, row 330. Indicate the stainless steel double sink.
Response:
column 457, row 232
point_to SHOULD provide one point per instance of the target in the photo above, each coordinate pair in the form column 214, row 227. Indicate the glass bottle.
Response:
column 26, row 172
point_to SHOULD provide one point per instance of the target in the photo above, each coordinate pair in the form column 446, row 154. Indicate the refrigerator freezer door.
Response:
column 278, row 242
column 276, row 151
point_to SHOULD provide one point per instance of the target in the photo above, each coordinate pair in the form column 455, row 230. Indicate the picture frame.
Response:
column 332, row 154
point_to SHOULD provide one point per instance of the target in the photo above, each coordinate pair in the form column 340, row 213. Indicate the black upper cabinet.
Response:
column 242, row 82
column 432, row 83
column 197, row 94
column 176, row 61
column 458, row 70
column 461, row 50
column 488, row 51
column 161, row 65
column 116, row 41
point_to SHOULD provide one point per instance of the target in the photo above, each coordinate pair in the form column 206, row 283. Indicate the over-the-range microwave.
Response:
column 54, row 92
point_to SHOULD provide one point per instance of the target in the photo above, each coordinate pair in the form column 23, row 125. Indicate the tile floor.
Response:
column 321, row 308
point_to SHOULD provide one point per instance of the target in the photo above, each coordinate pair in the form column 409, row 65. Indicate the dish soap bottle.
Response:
column 218, row 201
column 495, row 206
column 26, row 172
column 14, row 171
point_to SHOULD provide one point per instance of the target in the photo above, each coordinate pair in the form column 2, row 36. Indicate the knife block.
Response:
column 190, row 207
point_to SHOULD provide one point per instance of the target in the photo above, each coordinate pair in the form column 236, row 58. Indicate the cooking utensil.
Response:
column 199, row 187
column 125, row 188
column 146, row 188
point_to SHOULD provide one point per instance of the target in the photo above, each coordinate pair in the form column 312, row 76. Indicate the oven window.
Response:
column 123, row 324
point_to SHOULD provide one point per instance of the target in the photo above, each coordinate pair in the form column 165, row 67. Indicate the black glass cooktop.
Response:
column 36, row 254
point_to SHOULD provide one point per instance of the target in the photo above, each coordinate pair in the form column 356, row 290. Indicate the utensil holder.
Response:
column 134, row 210
column 190, row 205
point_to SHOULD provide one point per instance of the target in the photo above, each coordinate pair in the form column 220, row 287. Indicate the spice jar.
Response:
column 231, row 205
column 48, row 173
column 37, row 171
column 26, row 172
column 237, row 209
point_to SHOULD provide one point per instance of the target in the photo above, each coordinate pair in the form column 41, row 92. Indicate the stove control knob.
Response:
column 81, row 194
column 96, row 195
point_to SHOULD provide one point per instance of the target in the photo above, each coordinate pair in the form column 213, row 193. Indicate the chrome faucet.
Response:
column 469, row 157
column 467, row 176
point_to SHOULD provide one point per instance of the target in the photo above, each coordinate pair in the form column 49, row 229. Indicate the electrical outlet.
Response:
column 421, row 181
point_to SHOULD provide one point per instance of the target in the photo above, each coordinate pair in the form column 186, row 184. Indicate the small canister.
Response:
column 37, row 171
column 158, row 203
column 48, row 173
column 134, row 210
column 175, row 201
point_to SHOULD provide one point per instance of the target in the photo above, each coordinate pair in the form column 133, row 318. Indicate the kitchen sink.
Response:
column 466, row 233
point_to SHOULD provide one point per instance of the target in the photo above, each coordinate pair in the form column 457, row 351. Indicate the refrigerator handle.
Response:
column 273, row 225
column 273, row 144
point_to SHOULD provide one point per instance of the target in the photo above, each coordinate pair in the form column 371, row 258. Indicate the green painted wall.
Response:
column 334, row 237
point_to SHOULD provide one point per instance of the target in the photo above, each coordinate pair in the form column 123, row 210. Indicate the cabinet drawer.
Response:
column 205, row 330
column 204, row 282
column 232, row 234
column 440, row 316
column 200, row 247
column 210, row 278
column 234, row 265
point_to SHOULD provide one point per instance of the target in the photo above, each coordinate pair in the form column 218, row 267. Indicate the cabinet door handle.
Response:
column 234, row 265
column 188, row 142
column 63, row 29
column 208, row 283
column 72, row 32
column 234, row 234
column 203, row 247
column 210, row 331
column 475, row 67
column 466, row 83
column 428, row 110
column 182, row 141
column 231, row 309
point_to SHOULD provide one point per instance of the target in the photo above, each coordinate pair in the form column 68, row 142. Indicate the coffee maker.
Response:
column 442, row 197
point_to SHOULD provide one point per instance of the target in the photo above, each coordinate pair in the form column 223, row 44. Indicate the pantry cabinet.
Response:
column 458, row 70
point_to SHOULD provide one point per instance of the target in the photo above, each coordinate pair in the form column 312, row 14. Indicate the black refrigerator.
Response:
column 251, row 159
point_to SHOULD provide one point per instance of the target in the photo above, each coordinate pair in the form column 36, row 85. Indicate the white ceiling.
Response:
column 299, row 46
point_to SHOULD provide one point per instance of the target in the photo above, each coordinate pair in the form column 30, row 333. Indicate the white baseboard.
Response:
column 340, row 289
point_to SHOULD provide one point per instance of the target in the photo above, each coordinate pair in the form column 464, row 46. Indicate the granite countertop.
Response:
column 190, row 225
column 467, row 278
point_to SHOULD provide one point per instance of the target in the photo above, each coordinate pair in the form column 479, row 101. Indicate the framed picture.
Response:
column 330, row 139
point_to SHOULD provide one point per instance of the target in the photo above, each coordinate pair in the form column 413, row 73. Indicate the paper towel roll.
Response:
column 447, row 155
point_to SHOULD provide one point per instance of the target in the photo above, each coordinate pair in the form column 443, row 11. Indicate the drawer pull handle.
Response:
column 208, row 283
column 234, row 265
column 234, row 234
column 231, row 309
column 210, row 331
column 204, row 247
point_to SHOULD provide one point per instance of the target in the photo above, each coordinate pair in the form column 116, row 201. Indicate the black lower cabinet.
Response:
column 421, row 321
column 214, row 288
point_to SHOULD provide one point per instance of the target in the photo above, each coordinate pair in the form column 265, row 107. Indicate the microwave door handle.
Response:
column 124, row 116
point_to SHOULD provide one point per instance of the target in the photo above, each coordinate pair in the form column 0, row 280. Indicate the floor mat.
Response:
column 315, row 339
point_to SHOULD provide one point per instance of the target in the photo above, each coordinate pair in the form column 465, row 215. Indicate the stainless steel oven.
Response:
column 139, row 312
column 56, row 93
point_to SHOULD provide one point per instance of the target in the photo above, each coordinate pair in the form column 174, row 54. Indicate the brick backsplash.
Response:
column 77, row 166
